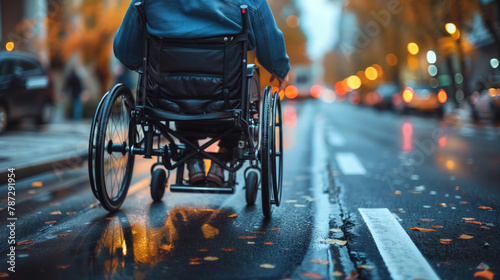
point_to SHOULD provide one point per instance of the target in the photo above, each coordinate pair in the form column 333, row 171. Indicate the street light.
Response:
column 9, row 46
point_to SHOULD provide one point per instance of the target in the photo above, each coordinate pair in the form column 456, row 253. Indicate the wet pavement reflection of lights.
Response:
column 407, row 136
column 127, row 242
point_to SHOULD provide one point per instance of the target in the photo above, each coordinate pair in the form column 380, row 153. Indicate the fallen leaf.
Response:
column 233, row 215
column 337, row 230
column 55, row 203
column 422, row 229
column 25, row 242
column 399, row 211
column 354, row 275
column 257, row 232
column 445, row 241
column 37, row 184
column 267, row 266
column 397, row 193
column 337, row 273
column 111, row 218
column 31, row 192
column 211, row 259
column 485, row 227
column 62, row 266
column 464, row 202
column 55, row 213
column 474, row 222
column 274, row 229
column 203, row 250
column 336, row 241
column 486, row 274
column 250, row 242
column 70, row 213
column 194, row 263
column 446, row 263
column 195, row 259
column 465, row 236
column 63, row 235
column 367, row 266
column 312, row 275
column 427, row 220
column 320, row 261
column 414, row 192
column 166, row 247
column 228, row 249
column 485, row 208
column 469, row 219
column 247, row 237
column 268, row 243
column 3, row 275
column 437, row 226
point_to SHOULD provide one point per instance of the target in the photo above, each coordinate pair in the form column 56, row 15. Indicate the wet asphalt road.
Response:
column 418, row 167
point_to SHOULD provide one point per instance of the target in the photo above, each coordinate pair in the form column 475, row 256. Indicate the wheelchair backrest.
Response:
column 195, row 76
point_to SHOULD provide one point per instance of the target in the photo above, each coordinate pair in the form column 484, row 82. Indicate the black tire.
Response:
column 45, row 114
column 113, row 161
column 158, row 184
column 4, row 118
column 251, row 187
column 277, row 150
column 265, row 153
column 92, row 145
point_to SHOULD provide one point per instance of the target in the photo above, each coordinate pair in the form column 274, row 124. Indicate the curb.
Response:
column 57, row 163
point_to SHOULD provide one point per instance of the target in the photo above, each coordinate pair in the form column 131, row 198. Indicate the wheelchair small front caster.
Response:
column 251, row 187
column 158, row 184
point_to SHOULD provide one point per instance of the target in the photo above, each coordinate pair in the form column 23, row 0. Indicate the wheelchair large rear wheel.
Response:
column 271, row 152
column 92, row 144
column 115, row 136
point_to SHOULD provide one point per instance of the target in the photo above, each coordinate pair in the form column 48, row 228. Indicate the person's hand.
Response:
column 282, row 82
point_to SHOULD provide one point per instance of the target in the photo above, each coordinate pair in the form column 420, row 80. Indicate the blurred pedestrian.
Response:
column 73, row 85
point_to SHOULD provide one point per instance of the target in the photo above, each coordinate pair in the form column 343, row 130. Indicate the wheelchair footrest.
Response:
column 201, row 189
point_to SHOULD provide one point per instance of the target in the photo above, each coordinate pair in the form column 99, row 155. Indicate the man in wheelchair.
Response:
column 181, row 19
column 195, row 83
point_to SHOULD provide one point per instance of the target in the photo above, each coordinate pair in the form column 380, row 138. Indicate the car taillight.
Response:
column 442, row 96
column 408, row 94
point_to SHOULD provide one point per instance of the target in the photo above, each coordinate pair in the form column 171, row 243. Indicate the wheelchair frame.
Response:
column 123, row 127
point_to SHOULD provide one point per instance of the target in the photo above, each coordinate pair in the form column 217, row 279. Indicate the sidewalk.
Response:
column 55, row 147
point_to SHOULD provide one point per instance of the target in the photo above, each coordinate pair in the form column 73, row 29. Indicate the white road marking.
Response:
column 349, row 164
column 334, row 138
column 401, row 256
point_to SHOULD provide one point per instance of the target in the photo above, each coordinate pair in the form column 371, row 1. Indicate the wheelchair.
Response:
column 189, row 88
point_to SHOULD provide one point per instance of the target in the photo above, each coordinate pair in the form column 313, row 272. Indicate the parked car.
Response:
column 26, row 89
column 420, row 97
column 384, row 94
column 485, row 104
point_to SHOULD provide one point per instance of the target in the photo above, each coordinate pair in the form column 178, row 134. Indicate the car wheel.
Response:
column 3, row 118
column 45, row 113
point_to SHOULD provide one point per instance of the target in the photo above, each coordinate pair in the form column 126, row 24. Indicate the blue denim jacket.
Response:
column 199, row 19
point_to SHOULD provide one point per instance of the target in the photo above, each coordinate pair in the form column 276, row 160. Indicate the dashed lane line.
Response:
column 401, row 256
column 349, row 164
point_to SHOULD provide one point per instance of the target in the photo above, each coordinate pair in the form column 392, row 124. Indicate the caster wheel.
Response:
column 251, row 187
column 158, row 184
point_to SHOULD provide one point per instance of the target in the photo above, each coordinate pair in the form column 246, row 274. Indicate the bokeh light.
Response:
column 9, row 46
column 432, row 69
column 354, row 82
column 391, row 59
column 371, row 73
column 413, row 48
column 292, row 21
column 291, row 92
column 316, row 91
column 451, row 28
column 431, row 57
column 494, row 63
